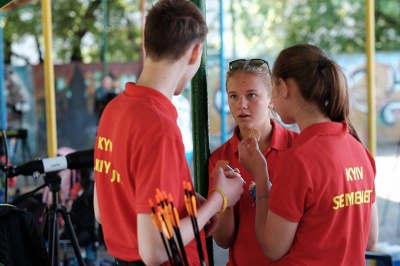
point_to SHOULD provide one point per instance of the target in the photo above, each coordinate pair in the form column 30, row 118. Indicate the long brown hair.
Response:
column 320, row 79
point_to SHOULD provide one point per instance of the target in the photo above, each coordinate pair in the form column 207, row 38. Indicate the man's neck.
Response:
column 163, row 76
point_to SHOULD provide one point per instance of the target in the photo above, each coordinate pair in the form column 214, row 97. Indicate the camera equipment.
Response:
column 50, row 167
column 75, row 160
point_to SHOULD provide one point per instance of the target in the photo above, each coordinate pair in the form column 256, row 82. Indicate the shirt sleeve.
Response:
column 292, row 190
column 162, row 165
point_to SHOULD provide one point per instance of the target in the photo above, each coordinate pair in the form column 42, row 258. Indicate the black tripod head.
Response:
column 53, row 181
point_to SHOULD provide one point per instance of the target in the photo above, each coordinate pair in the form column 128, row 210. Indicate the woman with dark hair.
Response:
column 321, row 208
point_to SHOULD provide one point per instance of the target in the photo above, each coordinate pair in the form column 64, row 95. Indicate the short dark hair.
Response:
column 171, row 27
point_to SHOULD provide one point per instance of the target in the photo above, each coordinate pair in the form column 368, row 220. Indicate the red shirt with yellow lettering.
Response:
column 325, row 182
column 138, row 149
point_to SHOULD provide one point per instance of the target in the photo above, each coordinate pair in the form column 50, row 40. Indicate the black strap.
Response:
column 119, row 262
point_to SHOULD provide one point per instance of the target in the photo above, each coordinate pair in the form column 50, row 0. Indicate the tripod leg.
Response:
column 53, row 236
column 71, row 234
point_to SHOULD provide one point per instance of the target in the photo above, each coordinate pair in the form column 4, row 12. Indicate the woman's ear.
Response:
column 197, row 51
column 284, row 88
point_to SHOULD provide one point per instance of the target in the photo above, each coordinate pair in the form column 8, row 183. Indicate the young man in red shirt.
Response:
column 139, row 146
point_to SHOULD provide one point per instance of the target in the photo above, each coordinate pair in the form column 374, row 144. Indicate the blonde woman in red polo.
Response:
column 248, row 86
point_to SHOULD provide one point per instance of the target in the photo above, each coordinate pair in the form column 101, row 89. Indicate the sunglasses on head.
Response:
column 236, row 64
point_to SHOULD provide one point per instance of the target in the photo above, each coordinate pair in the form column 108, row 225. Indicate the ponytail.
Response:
column 320, row 79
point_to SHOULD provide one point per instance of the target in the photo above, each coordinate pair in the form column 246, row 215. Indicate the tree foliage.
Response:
column 336, row 25
column 264, row 26
column 77, row 27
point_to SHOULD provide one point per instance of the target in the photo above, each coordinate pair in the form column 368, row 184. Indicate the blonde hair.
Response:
column 262, row 71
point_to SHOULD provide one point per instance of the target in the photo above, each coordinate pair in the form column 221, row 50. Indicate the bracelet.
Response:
column 262, row 196
column 224, row 199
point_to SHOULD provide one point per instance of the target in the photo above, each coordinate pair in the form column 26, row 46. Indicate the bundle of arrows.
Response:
column 166, row 219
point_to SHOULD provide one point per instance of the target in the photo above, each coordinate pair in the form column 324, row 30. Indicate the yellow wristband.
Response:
column 224, row 199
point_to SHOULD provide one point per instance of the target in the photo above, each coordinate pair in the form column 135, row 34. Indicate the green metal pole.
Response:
column 201, row 129
column 200, row 123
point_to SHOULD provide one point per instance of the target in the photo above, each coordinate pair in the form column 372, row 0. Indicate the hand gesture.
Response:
column 250, row 157
column 231, row 183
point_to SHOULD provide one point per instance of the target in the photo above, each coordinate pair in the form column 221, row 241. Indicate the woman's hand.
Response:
column 251, row 158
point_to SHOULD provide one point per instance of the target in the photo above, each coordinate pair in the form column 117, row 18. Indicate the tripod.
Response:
column 53, row 181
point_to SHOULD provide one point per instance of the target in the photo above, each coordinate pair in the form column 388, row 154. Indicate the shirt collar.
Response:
column 279, row 140
column 147, row 93
column 322, row 129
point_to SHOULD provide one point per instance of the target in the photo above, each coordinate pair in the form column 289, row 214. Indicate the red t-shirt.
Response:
column 246, row 250
column 325, row 182
column 138, row 149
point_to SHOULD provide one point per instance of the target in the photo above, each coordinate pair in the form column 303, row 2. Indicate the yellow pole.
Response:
column 370, row 32
column 49, row 79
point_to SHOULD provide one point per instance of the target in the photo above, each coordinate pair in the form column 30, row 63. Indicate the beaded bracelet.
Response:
column 262, row 196
column 224, row 199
